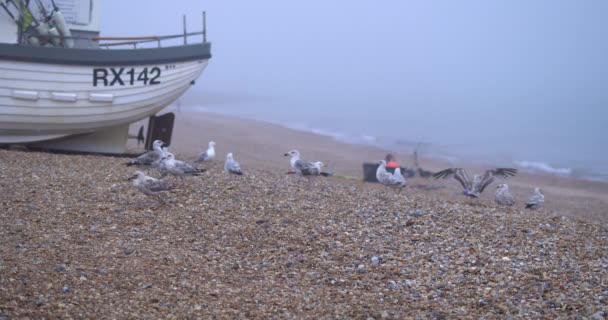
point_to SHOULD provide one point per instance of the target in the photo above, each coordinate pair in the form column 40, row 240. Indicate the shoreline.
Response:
column 261, row 144
column 438, row 152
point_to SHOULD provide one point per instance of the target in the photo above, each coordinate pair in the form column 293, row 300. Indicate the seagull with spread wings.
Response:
column 473, row 188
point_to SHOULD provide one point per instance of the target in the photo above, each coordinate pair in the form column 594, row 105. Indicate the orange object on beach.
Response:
column 392, row 164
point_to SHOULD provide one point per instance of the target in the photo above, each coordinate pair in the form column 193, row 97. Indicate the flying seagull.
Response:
column 536, row 200
column 150, row 186
column 389, row 179
column 474, row 188
column 231, row 166
column 149, row 157
column 209, row 154
column 503, row 196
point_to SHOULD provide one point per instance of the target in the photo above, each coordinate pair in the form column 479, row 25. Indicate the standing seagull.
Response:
column 231, row 166
column 149, row 157
column 209, row 154
column 150, row 186
column 177, row 167
column 389, row 179
column 503, row 196
column 304, row 168
column 536, row 200
column 474, row 188
column 294, row 157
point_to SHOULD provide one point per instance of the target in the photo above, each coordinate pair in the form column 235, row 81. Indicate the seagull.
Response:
column 150, row 186
column 164, row 152
column 536, row 200
column 149, row 157
column 503, row 196
column 294, row 157
column 209, row 154
column 231, row 166
column 389, row 179
column 304, row 168
column 177, row 167
column 474, row 188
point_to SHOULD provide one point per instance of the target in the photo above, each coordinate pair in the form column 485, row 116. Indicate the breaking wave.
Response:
column 537, row 166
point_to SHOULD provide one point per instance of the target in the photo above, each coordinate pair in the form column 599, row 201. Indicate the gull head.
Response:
column 319, row 164
column 229, row 156
column 293, row 153
column 538, row 190
column 382, row 163
column 211, row 144
column 137, row 175
column 158, row 144
column 503, row 186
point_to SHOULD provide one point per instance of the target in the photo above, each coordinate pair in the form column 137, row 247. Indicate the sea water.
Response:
column 567, row 141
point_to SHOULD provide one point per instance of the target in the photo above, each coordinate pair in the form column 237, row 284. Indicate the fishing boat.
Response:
column 63, row 86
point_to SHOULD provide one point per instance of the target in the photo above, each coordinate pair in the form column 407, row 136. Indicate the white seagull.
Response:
column 503, row 196
column 389, row 179
column 209, row 154
column 474, row 188
column 149, row 157
column 536, row 200
column 231, row 166
column 150, row 186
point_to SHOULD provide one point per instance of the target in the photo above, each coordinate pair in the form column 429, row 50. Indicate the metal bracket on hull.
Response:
column 160, row 128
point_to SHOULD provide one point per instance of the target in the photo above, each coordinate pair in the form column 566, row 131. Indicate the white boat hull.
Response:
column 43, row 101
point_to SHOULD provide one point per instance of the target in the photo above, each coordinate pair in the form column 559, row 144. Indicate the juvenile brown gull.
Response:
column 536, row 200
column 169, row 165
column 150, row 186
column 503, row 196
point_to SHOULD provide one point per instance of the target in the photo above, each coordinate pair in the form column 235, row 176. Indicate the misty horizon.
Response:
column 515, row 78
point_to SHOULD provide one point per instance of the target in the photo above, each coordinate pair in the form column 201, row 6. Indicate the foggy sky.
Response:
column 498, row 63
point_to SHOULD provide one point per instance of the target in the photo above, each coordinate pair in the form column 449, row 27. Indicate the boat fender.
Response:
column 55, row 36
column 33, row 41
column 59, row 22
column 42, row 29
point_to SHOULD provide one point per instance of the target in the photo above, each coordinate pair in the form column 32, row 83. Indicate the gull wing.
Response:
column 490, row 176
column 306, row 168
column 156, row 185
column 232, row 166
column 458, row 173
column 202, row 157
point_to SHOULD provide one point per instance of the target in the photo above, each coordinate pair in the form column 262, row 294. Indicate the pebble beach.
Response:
column 79, row 242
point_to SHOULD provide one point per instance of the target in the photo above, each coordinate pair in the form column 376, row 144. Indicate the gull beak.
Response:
column 132, row 177
column 287, row 154
column 164, row 145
